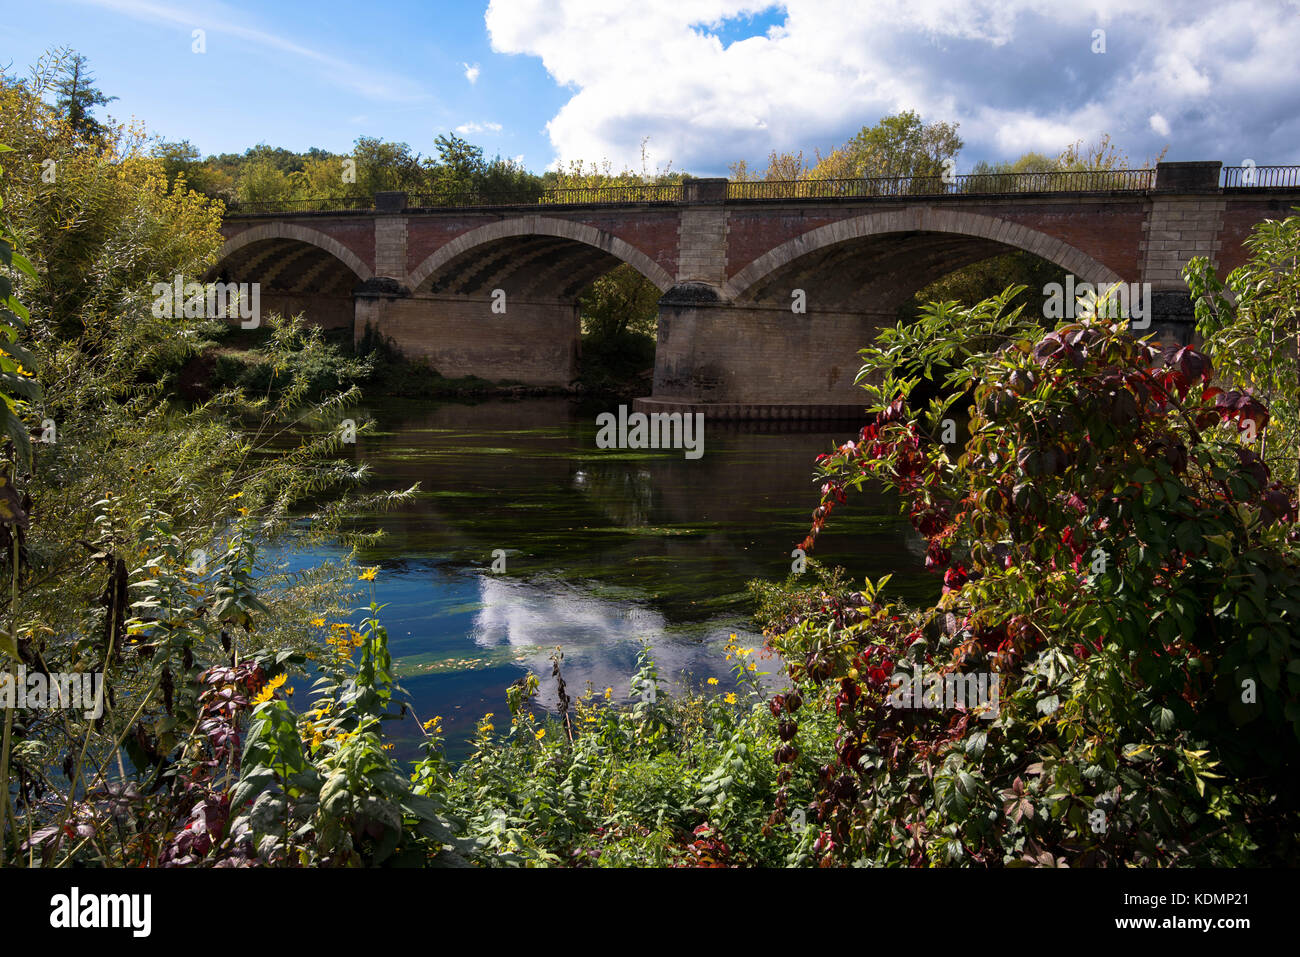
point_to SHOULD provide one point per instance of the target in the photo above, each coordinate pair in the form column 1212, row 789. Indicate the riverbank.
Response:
column 619, row 367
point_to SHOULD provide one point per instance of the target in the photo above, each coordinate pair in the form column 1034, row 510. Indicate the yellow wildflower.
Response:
column 317, row 622
column 268, row 692
column 609, row 692
column 541, row 733
column 369, row 574
column 713, row 681
column 433, row 725
column 730, row 698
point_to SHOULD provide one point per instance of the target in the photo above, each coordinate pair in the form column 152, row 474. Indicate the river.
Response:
column 603, row 549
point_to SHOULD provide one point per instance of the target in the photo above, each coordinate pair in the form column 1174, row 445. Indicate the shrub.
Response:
column 1116, row 556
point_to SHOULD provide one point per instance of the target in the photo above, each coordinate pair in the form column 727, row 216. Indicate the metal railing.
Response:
column 1260, row 177
column 555, row 196
column 526, row 197
column 967, row 184
column 581, row 195
column 1086, row 181
column 654, row 193
column 317, row 204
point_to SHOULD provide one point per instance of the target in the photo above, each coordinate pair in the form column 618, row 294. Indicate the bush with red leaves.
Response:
column 1115, row 554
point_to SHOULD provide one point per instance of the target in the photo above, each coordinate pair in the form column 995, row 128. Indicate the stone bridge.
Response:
column 490, row 290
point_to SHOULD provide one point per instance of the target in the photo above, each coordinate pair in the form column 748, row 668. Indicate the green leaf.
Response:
column 1162, row 718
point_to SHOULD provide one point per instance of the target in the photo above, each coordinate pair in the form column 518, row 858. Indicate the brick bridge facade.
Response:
column 491, row 291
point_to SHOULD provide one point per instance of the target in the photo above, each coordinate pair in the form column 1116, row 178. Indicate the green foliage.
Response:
column 1251, row 327
column 18, row 387
column 321, row 179
column 294, row 352
column 1115, row 556
column 1100, row 156
column 985, row 279
column 903, row 145
column 78, row 96
column 899, row 145
column 621, row 365
column 620, row 301
column 323, row 790
column 131, row 552
column 665, row 781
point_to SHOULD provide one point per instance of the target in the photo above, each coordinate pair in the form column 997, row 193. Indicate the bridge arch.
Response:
column 466, row 247
column 990, row 234
column 299, row 270
column 302, row 234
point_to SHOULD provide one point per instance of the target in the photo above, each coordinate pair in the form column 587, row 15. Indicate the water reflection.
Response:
column 604, row 548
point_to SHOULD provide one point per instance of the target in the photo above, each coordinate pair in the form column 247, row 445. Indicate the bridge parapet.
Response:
column 1188, row 177
column 1166, row 177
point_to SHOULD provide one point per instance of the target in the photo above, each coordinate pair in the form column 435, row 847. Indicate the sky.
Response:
column 701, row 83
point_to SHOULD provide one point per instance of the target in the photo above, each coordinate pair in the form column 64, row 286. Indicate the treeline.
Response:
column 904, row 145
column 901, row 146
column 268, row 174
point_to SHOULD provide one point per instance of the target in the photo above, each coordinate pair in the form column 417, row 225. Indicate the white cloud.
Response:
column 1159, row 124
column 471, row 72
column 466, row 128
column 1016, row 74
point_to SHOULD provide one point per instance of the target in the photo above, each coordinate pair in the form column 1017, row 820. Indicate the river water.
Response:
column 603, row 549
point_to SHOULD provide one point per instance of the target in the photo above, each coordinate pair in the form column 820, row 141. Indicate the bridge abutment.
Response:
column 732, row 360
column 1185, row 220
column 529, row 341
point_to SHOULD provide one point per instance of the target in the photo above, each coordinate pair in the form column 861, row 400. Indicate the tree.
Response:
column 1102, row 155
column 621, row 300
column 781, row 167
column 985, row 279
column 1116, row 566
column 459, row 168
column 78, row 96
column 382, row 166
column 1251, row 327
column 182, row 160
column 903, row 145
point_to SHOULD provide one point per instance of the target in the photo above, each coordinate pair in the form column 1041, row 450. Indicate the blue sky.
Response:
column 708, row 81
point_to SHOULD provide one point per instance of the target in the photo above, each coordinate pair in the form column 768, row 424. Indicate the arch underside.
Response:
column 878, row 272
column 287, row 265
column 885, row 258
column 295, row 277
column 530, row 267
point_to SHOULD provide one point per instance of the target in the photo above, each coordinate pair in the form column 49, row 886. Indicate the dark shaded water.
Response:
column 603, row 549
